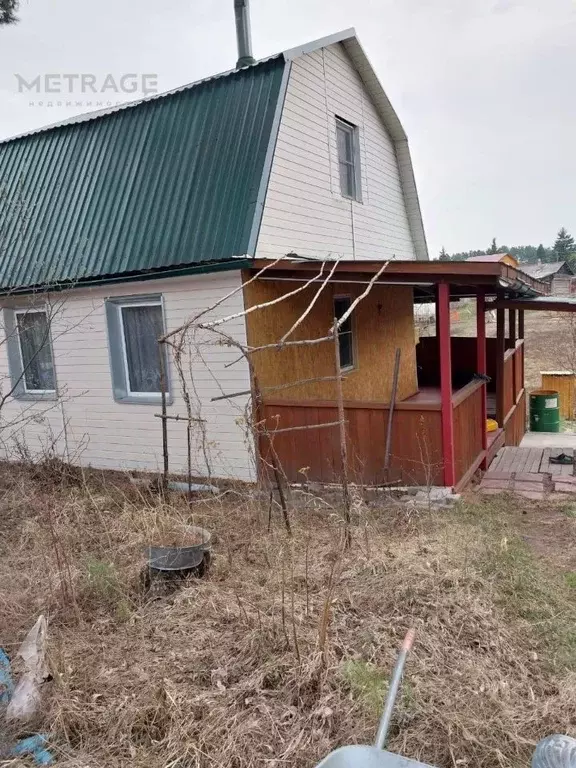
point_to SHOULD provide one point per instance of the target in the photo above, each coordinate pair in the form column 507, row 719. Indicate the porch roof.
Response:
column 463, row 277
column 542, row 303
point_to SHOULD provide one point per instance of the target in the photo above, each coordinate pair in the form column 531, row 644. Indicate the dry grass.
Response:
column 233, row 671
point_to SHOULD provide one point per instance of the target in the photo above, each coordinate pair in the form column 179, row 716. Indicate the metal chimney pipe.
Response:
column 243, row 33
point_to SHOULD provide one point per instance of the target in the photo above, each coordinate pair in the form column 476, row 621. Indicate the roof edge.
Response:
column 268, row 161
column 118, row 278
column 321, row 42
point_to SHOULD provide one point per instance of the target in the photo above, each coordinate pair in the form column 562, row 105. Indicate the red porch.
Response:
column 439, row 434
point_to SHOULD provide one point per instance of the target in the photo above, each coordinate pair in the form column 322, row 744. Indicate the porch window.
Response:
column 345, row 332
column 134, row 326
column 348, row 144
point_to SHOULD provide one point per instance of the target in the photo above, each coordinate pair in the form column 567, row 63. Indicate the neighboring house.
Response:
column 138, row 216
column 559, row 275
column 492, row 258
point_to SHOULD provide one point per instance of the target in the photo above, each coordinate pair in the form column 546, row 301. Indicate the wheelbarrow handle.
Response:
column 395, row 680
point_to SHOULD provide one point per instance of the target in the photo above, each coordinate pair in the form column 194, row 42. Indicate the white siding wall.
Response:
column 105, row 434
column 304, row 210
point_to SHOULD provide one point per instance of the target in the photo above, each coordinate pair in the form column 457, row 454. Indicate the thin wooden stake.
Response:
column 271, row 501
column 164, row 416
column 189, row 454
column 343, row 447
column 306, row 578
column 391, row 413
column 294, row 632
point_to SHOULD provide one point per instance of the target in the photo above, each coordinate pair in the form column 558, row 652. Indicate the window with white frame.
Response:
column 345, row 332
column 348, row 144
column 34, row 368
column 134, row 326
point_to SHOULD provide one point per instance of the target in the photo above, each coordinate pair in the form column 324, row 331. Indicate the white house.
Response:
column 117, row 226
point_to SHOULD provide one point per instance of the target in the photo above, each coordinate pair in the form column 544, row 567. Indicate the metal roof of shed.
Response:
column 540, row 271
column 169, row 181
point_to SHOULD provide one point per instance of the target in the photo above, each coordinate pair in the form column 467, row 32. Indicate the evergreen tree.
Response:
column 493, row 247
column 8, row 10
column 541, row 254
column 443, row 255
column 564, row 245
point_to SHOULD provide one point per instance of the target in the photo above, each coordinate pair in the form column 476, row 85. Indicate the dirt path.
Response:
column 551, row 533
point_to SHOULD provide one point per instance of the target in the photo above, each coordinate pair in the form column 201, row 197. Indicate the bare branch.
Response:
column 313, row 302
column 212, row 307
column 362, row 296
column 266, row 304
column 307, row 426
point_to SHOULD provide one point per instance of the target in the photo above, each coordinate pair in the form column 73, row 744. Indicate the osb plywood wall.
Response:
column 382, row 322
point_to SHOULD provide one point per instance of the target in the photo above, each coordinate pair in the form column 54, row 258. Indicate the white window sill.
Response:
column 152, row 398
column 32, row 396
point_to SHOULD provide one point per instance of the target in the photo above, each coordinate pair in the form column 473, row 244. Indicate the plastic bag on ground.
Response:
column 26, row 697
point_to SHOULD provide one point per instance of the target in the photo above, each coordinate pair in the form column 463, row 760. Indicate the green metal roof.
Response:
column 171, row 181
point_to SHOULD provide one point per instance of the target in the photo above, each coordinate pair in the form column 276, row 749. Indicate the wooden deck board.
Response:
column 507, row 459
column 545, row 462
column 521, row 460
column 536, row 460
column 567, row 469
column 495, row 463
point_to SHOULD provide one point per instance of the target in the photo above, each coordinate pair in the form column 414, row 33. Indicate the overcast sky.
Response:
column 484, row 88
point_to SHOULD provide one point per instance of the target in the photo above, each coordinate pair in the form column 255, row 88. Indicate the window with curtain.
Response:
column 37, row 365
column 142, row 325
column 135, row 323
column 345, row 332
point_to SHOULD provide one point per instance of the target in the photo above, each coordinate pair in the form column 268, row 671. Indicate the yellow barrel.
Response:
column 563, row 383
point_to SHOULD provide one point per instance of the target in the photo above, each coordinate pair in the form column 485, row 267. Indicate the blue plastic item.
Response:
column 6, row 682
column 35, row 747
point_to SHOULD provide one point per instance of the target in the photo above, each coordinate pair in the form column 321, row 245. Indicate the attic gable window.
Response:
column 348, row 144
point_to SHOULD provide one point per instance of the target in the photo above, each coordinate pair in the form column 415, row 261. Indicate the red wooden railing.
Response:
column 314, row 454
column 468, row 428
column 518, row 369
column 509, row 394
column 416, row 453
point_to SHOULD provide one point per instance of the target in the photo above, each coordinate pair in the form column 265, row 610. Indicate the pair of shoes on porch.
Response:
column 562, row 458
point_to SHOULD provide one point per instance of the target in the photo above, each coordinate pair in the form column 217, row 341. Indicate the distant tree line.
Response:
column 564, row 249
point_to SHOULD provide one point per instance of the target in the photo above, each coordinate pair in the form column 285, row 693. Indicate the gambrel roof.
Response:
column 171, row 183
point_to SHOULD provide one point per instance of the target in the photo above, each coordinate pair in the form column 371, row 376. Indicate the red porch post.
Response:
column 521, row 336
column 481, row 361
column 443, row 324
column 512, row 327
column 512, row 345
column 500, row 352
